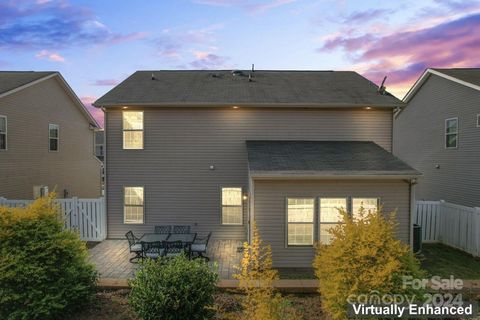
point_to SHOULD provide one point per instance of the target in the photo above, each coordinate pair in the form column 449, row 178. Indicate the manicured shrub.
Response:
column 44, row 270
column 364, row 257
column 176, row 288
column 256, row 277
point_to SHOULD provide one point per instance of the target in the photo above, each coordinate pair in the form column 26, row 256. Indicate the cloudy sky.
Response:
column 96, row 44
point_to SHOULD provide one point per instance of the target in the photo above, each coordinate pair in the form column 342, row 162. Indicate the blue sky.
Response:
column 96, row 44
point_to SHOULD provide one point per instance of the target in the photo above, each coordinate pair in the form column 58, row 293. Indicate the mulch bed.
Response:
column 113, row 305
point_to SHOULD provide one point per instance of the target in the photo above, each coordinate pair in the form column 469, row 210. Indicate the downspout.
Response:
column 251, row 214
column 413, row 182
column 105, row 175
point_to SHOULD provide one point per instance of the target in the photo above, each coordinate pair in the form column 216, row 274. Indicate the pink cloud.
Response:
column 49, row 55
column 106, row 82
column 404, row 55
column 208, row 60
column 95, row 112
column 248, row 5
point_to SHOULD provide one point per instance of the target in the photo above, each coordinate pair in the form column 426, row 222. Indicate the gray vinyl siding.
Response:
column 419, row 140
column 27, row 162
column 182, row 143
column 270, row 210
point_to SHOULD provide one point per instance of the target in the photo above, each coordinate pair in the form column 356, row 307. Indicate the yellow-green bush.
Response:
column 364, row 257
column 256, row 277
column 44, row 272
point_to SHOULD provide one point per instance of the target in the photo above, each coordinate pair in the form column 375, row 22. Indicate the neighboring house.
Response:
column 438, row 133
column 46, row 138
column 218, row 149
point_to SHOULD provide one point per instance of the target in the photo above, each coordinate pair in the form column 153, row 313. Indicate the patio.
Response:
column 111, row 258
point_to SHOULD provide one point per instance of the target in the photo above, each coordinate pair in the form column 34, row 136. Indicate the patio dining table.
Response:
column 186, row 238
column 154, row 237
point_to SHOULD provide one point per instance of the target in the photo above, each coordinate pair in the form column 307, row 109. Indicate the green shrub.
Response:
column 176, row 288
column 364, row 257
column 44, row 272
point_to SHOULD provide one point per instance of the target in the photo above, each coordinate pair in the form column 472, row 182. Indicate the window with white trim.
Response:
column 132, row 129
column 368, row 205
column 99, row 141
column 232, row 208
column 133, row 205
column 3, row 133
column 300, row 221
column 330, row 217
column 53, row 137
column 451, row 133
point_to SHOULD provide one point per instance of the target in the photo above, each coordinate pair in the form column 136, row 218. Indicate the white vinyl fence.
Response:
column 451, row 224
column 87, row 216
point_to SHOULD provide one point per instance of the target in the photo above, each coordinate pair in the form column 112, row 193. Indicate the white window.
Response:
column 300, row 221
column 368, row 204
column 132, row 129
column 3, row 133
column 53, row 138
column 478, row 120
column 133, row 205
column 451, row 133
column 232, row 209
column 330, row 216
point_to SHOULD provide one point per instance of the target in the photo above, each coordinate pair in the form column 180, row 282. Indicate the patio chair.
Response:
column 181, row 229
column 199, row 247
column 153, row 250
column 174, row 248
column 134, row 245
column 163, row 229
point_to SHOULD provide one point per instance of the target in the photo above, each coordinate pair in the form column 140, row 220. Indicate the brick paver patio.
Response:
column 111, row 258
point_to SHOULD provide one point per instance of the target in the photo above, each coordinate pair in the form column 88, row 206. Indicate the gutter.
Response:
column 258, row 175
column 243, row 104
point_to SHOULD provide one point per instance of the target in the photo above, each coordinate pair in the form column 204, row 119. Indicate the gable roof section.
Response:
column 469, row 77
column 14, row 81
column 228, row 88
column 352, row 159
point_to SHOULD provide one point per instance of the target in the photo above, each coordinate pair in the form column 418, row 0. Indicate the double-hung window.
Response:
column 300, row 221
column 53, row 137
column 133, row 205
column 132, row 129
column 330, row 216
column 232, row 208
column 368, row 204
column 3, row 133
column 451, row 133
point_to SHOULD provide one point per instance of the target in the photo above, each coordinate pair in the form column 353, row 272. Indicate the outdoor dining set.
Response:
column 167, row 242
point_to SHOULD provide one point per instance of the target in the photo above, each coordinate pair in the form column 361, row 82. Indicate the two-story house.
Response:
column 46, row 138
column 219, row 149
column 438, row 132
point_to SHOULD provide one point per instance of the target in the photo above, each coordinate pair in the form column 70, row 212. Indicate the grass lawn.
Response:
column 441, row 260
column 113, row 305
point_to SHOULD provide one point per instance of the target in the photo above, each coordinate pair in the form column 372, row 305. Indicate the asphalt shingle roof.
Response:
column 323, row 158
column 470, row 75
column 10, row 80
column 222, row 87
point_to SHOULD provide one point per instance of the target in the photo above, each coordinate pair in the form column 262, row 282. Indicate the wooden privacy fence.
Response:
column 87, row 216
column 451, row 224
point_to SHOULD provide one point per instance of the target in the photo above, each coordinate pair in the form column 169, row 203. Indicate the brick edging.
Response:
column 283, row 285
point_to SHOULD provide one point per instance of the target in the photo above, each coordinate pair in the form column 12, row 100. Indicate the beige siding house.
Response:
column 438, row 133
column 46, row 138
column 219, row 149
